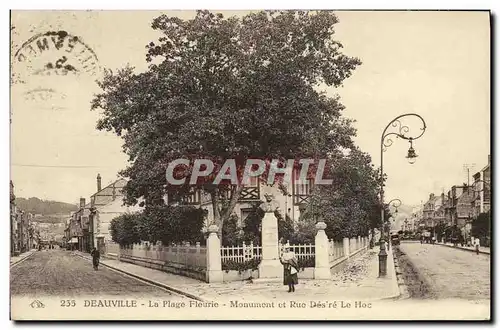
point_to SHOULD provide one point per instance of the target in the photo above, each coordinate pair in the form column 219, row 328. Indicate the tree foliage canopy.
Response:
column 164, row 223
column 481, row 226
column 350, row 206
column 123, row 229
column 222, row 88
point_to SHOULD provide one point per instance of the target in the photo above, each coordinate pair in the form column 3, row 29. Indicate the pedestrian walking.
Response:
column 290, row 268
column 95, row 258
column 476, row 245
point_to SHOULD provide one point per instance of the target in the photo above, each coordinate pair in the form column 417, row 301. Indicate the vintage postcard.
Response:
column 250, row 165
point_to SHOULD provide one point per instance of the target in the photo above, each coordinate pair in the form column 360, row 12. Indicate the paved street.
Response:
column 58, row 272
column 451, row 273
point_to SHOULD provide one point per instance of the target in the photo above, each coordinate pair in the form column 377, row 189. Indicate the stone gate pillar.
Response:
column 322, row 257
column 214, row 262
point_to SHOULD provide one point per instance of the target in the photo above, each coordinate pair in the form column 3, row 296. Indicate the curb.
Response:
column 145, row 279
column 403, row 288
column 397, row 277
column 397, row 296
column 15, row 263
column 464, row 249
column 422, row 278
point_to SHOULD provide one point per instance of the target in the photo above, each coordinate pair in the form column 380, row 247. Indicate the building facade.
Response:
column 81, row 227
column 459, row 210
column 74, row 231
column 107, row 204
column 291, row 199
column 434, row 211
column 482, row 190
column 90, row 226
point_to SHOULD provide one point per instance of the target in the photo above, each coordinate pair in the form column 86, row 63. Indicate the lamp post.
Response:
column 386, row 141
column 396, row 203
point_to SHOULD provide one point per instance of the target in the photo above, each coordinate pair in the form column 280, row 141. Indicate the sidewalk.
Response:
column 482, row 249
column 17, row 259
column 176, row 283
column 357, row 281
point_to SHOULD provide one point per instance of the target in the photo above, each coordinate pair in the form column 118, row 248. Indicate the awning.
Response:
column 73, row 240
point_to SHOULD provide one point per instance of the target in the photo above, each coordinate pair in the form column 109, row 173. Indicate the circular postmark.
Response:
column 56, row 53
column 47, row 60
column 46, row 98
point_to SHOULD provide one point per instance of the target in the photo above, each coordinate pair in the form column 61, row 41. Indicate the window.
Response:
column 302, row 190
column 254, row 182
column 244, row 213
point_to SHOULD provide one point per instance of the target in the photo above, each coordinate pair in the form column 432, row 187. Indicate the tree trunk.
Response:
column 372, row 241
column 214, row 197
column 220, row 216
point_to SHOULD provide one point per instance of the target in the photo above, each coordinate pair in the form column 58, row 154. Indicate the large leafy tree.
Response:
column 350, row 206
column 222, row 88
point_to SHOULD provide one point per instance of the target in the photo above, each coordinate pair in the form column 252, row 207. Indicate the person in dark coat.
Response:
column 290, row 269
column 95, row 257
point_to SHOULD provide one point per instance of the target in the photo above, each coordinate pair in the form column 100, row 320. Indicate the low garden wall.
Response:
column 214, row 263
column 189, row 261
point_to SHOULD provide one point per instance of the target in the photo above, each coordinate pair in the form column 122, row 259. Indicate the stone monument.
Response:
column 270, row 266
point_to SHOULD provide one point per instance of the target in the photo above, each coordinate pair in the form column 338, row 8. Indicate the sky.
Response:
column 435, row 64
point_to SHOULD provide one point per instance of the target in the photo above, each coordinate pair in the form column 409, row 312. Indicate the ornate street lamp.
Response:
column 402, row 131
column 412, row 155
column 396, row 203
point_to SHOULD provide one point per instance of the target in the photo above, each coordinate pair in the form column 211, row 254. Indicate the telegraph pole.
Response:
column 468, row 167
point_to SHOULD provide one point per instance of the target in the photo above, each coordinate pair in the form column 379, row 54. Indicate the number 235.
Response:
column 68, row 303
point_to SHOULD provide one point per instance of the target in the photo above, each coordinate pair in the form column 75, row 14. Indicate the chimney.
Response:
column 98, row 182
column 431, row 196
column 82, row 202
column 489, row 159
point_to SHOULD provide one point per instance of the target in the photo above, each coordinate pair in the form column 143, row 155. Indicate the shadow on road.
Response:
column 418, row 288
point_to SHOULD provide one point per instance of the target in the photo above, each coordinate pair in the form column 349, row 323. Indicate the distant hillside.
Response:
column 37, row 206
column 406, row 209
column 52, row 218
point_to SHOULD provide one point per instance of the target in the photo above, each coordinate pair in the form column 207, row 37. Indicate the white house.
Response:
column 290, row 201
column 107, row 204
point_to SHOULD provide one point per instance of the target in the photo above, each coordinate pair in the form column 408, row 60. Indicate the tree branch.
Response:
column 235, row 196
